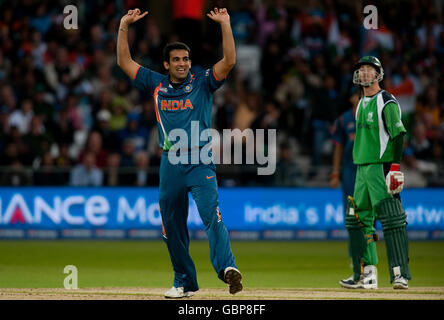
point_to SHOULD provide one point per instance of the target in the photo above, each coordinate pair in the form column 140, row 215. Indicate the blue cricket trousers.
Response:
column 176, row 180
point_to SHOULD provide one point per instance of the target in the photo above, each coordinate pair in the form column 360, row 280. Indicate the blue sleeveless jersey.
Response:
column 177, row 108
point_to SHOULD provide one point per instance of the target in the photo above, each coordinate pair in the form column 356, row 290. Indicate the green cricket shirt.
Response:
column 378, row 121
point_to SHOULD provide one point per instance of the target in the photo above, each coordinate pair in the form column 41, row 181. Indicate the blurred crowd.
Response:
column 69, row 116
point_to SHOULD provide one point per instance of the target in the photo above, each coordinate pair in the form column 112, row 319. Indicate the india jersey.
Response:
column 186, row 107
column 378, row 121
column 344, row 134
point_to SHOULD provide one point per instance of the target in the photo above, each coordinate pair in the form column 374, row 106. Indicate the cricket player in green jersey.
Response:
column 377, row 152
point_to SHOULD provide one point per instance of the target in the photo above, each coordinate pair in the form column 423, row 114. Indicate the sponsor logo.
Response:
column 17, row 211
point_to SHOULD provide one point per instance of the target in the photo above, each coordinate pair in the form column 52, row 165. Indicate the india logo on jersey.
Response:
column 175, row 104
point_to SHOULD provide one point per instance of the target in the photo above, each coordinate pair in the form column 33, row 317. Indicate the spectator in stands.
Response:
column 225, row 113
column 134, row 131
column 244, row 23
column 112, row 172
column 429, row 111
column 127, row 163
column 14, row 150
column 142, row 163
column 127, row 154
column 4, row 127
column 8, row 98
column 63, row 128
column 103, row 82
column 110, row 138
column 94, row 146
column 148, row 115
column 118, row 113
column 60, row 73
column 154, row 162
column 86, row 173
column 16, row 175
column 42, row 106
column 288, row 173
column 47, row 174
column 73, row 110
column 420, row 146
column 38, row 140
column 21, row 118
column 103, row 101
column 63, row 161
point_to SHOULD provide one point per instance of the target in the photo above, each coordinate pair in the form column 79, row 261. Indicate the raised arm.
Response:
column 223, row 67
column 124, row 60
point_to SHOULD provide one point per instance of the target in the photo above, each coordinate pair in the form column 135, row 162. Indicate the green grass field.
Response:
column 40, row 264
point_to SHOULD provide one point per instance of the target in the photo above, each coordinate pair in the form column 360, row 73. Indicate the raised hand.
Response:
column 132, row 16
column 219, row 15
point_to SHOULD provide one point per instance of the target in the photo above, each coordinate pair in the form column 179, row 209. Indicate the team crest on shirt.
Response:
column 188, row 88
column 370, row 117
column 164, row 90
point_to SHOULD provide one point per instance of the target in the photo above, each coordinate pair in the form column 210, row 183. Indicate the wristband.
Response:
column 334, row 174
column 395, row 167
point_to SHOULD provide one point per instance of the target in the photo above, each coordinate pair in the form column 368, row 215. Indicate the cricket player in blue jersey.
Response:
column 344, row 170
column 182, row 100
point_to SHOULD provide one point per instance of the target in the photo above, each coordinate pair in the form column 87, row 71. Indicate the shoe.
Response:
column 349, row 283
column 400, row 283
column 233, row 278
column 177, row 293
column 370, row 277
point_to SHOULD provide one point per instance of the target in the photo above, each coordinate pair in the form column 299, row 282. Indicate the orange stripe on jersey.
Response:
column 155, row 101
column 163, row 227
column 219, row 218
column 214, row 75
column 135, row 75
column 163, row 230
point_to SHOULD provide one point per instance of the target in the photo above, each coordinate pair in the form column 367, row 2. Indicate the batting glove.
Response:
column 394, row 179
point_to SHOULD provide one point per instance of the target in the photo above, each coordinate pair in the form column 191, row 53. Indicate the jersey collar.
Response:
column 186, row 81
column 373, row 94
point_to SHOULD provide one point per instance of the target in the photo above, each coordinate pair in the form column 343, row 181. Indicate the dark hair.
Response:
column 174, row 46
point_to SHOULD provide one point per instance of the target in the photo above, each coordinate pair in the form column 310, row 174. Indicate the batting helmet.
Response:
column 371, row 61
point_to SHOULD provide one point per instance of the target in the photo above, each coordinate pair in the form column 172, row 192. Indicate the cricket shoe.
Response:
column 400, row 283
column 177, row 293
column 350, row 283
column 233, row 278
column 370, row 277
